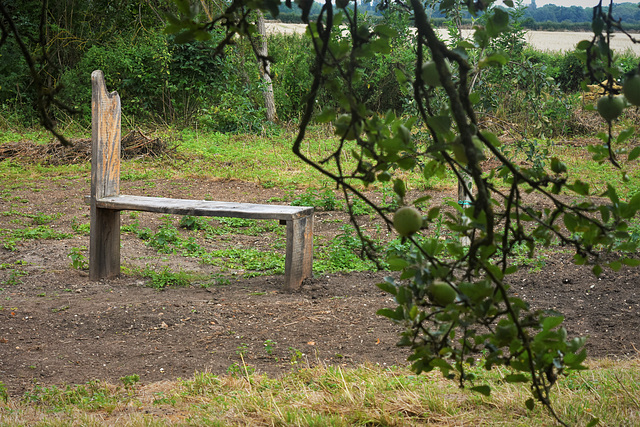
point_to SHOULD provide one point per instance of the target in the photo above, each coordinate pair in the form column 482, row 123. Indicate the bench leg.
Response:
column 299, row 259
column 104, row 244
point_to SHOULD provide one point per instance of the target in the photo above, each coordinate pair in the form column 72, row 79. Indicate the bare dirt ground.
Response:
column 58, row 327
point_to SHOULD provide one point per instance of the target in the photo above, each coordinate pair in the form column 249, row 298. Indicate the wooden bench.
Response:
column 107, row 202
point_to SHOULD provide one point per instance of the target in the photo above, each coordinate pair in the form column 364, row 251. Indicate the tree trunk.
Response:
column 265, row 71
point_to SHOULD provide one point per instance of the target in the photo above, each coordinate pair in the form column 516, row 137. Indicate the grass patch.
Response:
column 332, row 396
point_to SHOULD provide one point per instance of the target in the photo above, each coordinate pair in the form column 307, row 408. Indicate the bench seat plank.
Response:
column 203, row 207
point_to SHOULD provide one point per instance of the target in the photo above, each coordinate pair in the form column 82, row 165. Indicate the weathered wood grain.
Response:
column 298, row 262
column 203, row 207
column 104, row 241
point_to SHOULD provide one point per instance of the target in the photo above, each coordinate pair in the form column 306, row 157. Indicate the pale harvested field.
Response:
column 541, row 40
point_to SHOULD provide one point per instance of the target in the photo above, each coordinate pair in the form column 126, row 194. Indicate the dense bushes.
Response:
column 160, row 81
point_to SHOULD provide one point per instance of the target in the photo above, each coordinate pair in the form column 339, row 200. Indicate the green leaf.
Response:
column 597, row 270
column 557, row 166
column 551, row 322
column 413, row 312
column 442, row 364
column 328, row 114
column 399, row 188
column 183, row 6
column 404, row 296
column 583, row 45
column 634, row 154
column 422, row 199
column 625, row 134
column 594, row 422
column 570, row 222
column 184, row 37
column 613, row 196
column 597, row 25
column 580, row 187
column 406, row 163
column 631, row 262
column 573, row 360
column 397, row 264
column 529, row 404
column 481, row 37
column 630, row 209
column 516, row 378
column 463, row 44
column 615, row 265
column 492, row 138
column 387, row 287
column 441, row 124
column 482, row 389
column 496, row 59
column 385, row 30
column 508, row 3
column 433, row 213
column 499, row 20
column 396, row 314
column 401, row 76
column 433, row 168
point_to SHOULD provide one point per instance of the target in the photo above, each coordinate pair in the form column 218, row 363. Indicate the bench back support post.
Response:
column 104, row 245
column 299, row 257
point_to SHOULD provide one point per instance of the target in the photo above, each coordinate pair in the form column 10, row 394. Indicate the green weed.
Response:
column 78, row 260
column 13, row 237
column 167, row 278
column 295, row 356
column 80, row 228
column 92, row 396
column 4, row 393
column 325, row 200
column 129, row 381
column 253, row 261
column 269, row 345
column 37, row 218
column 14, row 277
column 342, row 254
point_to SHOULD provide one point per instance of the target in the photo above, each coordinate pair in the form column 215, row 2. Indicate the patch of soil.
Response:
column 58, row 327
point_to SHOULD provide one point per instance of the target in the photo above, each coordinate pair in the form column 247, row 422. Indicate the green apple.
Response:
column 441, row 293
column 610, row 107
column 407, row 220
column 631, row 89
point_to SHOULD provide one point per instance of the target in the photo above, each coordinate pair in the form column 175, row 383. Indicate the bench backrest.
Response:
column 105, row 139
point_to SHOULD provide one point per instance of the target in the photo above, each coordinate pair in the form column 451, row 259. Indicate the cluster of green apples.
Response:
column 610, row 106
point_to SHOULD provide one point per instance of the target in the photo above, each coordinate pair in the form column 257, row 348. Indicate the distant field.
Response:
column 541, row 40
column 567, row 40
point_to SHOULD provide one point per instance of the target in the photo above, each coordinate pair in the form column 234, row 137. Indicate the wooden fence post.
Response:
column 104, row 244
